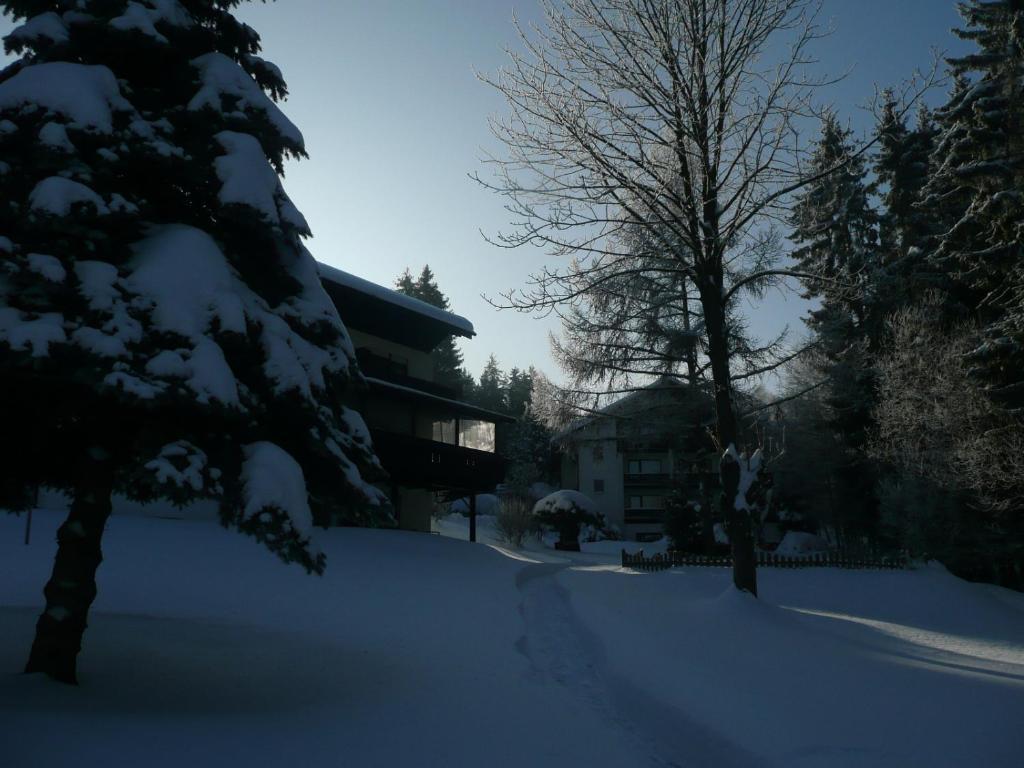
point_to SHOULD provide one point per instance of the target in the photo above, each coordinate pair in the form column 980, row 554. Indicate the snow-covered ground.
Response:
column 424, row 650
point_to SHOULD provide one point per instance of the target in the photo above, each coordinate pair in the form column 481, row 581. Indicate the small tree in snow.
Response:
column 163, row 331
column 515, row 520
column 567, row 512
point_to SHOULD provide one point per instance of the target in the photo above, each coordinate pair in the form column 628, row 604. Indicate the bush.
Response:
column 566, row 512
column 515, row 521
column 684, row 527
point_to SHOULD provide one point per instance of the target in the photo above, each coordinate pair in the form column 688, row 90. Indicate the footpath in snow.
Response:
column 429, row 651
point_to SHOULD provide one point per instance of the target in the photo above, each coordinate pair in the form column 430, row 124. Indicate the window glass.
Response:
column 444, row 431
column 478, row 435
column 645, row 502
column 598, row 486
column 598, row 453
column 650, row 467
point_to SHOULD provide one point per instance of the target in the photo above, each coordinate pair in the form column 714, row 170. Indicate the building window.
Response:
column 645, row 502
column 444, row 431
column 598, row 486
column 598, row 454
column 644, row 467
column 478, row 435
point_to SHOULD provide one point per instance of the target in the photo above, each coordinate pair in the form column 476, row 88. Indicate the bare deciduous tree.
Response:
column 665, row 117
column 934, row 420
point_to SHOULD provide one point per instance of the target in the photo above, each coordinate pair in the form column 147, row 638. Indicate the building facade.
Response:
column 431, row 444
column 632, row 455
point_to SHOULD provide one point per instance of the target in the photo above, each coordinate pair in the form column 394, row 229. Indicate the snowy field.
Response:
column 421, row 650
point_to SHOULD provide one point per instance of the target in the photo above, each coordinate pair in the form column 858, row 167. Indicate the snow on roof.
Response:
column 620, row 408
column 461, row 325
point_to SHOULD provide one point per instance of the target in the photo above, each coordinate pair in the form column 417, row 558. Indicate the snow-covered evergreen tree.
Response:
column 901, row 169
column 834, row 226
column 835, row 230
column 978, row 187
column 163, row 331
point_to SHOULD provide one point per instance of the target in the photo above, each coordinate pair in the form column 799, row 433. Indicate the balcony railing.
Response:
column 421, row 463
column 640, row 516
column 379, row 367
column 649, row 479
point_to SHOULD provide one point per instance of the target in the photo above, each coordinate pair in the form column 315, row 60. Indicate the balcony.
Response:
column 421, row 463
column 635, row 516
column 647, row 480
column 379, row 367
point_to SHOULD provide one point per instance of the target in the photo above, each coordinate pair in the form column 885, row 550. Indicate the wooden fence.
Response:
column 892, row 561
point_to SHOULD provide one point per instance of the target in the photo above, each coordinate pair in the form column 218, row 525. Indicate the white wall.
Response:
column 609, row 469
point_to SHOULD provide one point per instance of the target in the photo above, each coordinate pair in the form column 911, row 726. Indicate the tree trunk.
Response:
column 738, row 523
column 72, row 585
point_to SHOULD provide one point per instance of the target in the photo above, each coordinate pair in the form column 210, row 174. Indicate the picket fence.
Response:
column 861, row 560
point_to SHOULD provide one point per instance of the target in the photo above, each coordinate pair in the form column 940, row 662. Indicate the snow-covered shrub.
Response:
column 801, row 544
column 515, row 521
column 566, row 512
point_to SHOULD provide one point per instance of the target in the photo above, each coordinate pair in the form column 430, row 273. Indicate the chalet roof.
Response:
column 382, row 312
column 631, row 406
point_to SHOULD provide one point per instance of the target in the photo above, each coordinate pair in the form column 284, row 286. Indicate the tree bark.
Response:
column 738, row 524
column 72, row 586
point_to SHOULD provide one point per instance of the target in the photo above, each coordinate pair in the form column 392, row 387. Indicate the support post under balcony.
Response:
column 472, row 516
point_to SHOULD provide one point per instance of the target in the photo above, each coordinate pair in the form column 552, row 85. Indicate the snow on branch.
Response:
column 226, row 87
column 275, row 504
column 86, row 95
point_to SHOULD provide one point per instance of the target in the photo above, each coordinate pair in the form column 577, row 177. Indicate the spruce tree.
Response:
column 903, row 275
column 163, row 331
column 901, row 169
column 449, row 368
column 520, row 391
column 835, row 230
column 491, row 391
column 406, row 284
column 977, row 188
column 976, row 192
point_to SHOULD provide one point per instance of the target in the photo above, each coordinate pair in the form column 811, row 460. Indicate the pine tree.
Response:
column 163, row 331
column 490, row 392
column 427, row 290
column 978, row 183
column 449, row 368
column 901, row 167
column 520, row 391
column 406, row 284
column 976, row 193
column 835, row 230
column 527, row 446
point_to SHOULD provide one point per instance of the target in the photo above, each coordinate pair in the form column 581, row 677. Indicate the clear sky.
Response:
column 395, row 119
